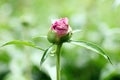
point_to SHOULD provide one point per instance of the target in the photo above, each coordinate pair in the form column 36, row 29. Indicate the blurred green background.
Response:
column 98, row 20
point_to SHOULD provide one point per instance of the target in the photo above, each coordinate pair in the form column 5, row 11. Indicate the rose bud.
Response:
column 60, row 31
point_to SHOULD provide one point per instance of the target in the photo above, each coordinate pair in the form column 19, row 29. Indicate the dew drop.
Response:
column 52, row 53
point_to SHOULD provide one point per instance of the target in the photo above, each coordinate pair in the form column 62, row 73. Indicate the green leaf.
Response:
column 22, row 43
column 93, row 47
column 45, row 54
column 41, row 41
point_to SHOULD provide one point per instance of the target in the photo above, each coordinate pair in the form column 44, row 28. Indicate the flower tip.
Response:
column 64, row 20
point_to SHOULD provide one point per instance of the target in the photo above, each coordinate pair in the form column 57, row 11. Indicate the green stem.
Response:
column 58, row 61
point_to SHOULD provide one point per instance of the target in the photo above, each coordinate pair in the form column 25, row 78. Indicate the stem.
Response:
column 58, row 61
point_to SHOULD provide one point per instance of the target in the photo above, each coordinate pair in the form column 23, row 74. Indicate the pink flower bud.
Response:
column 60, row 27
column 60, row 31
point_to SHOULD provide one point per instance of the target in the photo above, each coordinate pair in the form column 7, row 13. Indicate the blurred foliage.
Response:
column 99, row 21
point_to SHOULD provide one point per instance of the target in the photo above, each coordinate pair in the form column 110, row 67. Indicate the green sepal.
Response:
column 55, row 39
column 52, row 37
column 66, row 38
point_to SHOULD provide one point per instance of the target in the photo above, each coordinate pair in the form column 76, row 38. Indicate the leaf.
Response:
column 22, row 43
column 45, row 54
column 41, row 41
column 93, row 47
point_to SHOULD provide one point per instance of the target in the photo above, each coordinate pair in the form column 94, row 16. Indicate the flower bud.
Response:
column 60, row 31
